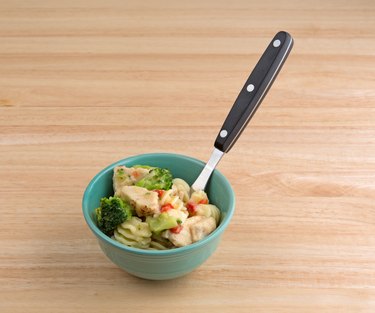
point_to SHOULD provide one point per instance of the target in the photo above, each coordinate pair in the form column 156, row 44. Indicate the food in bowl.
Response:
column 150, row 209
column 160, row 264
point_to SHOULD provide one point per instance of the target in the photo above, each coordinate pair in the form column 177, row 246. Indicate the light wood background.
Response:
column 86, row 83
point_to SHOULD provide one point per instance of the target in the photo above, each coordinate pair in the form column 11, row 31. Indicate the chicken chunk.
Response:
column 193, row 229
column 144, row 201
column 125, row 176
column 183, row 238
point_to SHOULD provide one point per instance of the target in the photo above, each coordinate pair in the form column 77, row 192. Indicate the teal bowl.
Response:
column 160, row 264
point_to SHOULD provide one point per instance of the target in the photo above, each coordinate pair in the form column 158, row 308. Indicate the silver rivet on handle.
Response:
column 276, row 43
column 250, row 87
column 223, row 133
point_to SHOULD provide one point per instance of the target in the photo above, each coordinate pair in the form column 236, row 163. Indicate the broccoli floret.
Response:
column 162, row 222
column 158, row 178
column 112, row 212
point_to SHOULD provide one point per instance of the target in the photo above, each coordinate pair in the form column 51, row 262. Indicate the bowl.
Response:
column 160, row 264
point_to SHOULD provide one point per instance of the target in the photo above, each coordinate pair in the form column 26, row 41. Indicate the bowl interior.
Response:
column 218, row 188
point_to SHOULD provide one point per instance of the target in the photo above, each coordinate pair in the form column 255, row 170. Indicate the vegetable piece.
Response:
column 162, row 222
column 157, row 178
column 177, row 229
column 112, row 212
column 160, row 192
column 191, row 207
column 166, row 207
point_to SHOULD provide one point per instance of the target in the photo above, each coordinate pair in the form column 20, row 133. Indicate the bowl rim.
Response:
column 98, row 233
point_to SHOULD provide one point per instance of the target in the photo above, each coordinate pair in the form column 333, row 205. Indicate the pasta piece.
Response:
column 154, row 245
column 160, row 243
column 209, row 210
column 180, row 215
column 199, row 197
column 169, row 197
column 134, row 233
column 202, row 228
column 181, row 188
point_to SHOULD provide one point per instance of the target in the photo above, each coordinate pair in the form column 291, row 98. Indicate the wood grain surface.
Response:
column 86, row 83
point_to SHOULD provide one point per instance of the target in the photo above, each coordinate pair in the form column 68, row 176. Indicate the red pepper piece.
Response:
column 177, row 229
column 191, row 207
column 166, row 207
column 160, row 192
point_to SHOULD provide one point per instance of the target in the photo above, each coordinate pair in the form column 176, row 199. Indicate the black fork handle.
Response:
column 254, row 90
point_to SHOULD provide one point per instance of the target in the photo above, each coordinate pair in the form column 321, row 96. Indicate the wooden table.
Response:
column 86, row 83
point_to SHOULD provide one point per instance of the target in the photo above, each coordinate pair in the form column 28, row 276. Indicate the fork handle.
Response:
column 254, row 90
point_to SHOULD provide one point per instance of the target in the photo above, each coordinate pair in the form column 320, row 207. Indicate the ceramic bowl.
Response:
column 160, row 264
